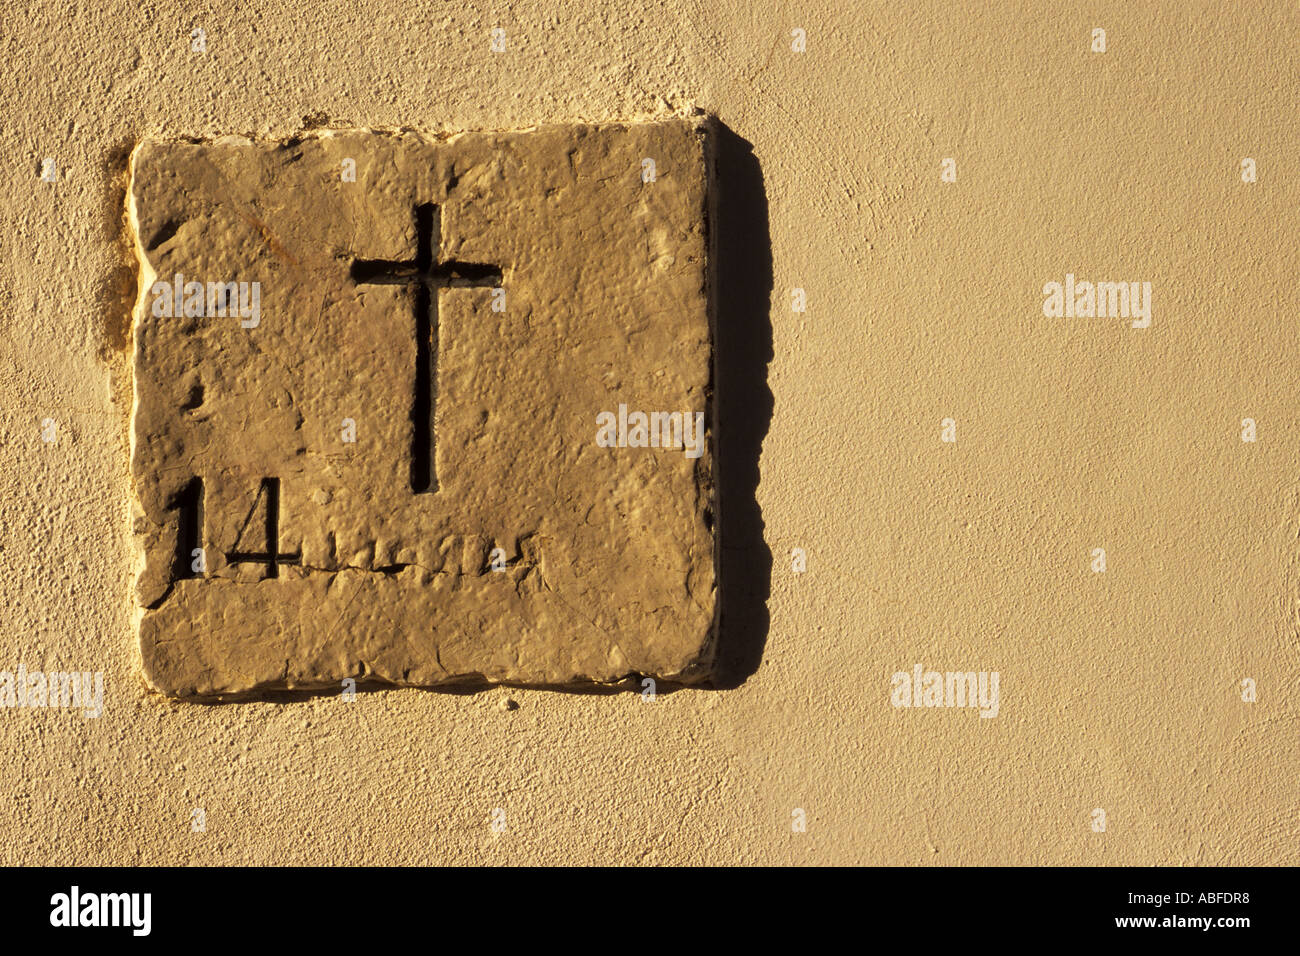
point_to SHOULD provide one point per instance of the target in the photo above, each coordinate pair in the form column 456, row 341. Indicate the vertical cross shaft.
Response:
column 428, row 277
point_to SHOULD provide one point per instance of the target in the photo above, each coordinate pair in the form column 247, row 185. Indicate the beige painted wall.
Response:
column 1119, row 690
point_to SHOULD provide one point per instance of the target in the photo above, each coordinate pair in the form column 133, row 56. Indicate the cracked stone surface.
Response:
column 275, row 553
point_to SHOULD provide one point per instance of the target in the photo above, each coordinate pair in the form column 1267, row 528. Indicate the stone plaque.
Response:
column 423, row 409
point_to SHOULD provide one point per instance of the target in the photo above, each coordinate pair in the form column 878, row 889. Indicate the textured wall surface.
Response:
column 1120, row 691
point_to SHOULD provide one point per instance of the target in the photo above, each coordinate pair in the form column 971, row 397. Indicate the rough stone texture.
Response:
column 609, row 551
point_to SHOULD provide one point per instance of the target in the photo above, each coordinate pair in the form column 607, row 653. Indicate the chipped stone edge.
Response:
column 146, row 276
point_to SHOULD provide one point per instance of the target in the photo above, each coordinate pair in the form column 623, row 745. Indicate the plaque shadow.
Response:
column 742, row 302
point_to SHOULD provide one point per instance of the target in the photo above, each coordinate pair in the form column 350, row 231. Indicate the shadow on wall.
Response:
column 742, row 350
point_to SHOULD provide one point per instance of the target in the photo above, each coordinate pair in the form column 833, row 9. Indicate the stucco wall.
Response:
column 1118, row 690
